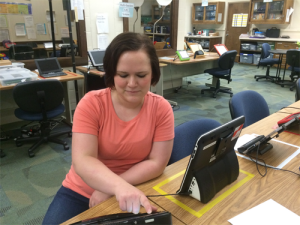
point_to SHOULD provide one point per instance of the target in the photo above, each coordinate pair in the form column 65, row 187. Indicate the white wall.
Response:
column 92, row 8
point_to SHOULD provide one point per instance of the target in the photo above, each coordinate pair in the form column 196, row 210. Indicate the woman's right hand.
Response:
column 130, row 199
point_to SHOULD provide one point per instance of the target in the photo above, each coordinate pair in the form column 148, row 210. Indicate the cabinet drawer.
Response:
column 285, row 45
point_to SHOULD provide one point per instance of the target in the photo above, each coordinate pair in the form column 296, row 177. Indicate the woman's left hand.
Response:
column 98, row 197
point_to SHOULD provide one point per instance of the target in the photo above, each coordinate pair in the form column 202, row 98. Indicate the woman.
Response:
column 122, row 135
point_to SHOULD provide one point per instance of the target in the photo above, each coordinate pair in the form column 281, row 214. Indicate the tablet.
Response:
column 183, row 55
column 220, row 48
column 213, row 163
column 96, row 57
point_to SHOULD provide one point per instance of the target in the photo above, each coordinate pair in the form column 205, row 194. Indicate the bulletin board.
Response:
column 29, row 21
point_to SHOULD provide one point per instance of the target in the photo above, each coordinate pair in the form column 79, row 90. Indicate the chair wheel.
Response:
column 31, row 154
column 282, row 85
column 291, row 89
column 70, row 134
column 66, row 147
column 214, row 96
column 202, row 92
column 231, row 95
column 256, row 79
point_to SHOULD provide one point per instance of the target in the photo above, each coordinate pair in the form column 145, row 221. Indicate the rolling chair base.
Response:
column 44, row 138
column 216, row 91
column 271, row 78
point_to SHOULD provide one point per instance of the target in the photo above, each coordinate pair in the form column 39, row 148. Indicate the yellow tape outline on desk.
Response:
column 209, row 205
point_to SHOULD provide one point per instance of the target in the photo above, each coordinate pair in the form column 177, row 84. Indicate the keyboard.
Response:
column 56, row 74
column 100, row 68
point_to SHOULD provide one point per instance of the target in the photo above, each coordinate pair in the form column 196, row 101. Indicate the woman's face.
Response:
column 133, row 76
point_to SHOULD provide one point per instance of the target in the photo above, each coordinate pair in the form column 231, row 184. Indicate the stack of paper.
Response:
column 269, row 212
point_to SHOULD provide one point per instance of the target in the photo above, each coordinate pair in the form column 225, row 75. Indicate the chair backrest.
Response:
column 33, row 96
column 32, row 44
column 265, row 50
column 66, row 51
column 226, row 60
column 21, row 52
column 297, row 96
column 94, row 82
column 187, row 134
column 293, row 58
column 249, row 104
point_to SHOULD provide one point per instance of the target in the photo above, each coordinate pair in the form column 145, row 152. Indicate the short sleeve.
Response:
column 164, row 129
column 87, row 115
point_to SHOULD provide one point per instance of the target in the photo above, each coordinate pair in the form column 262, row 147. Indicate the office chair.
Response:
column 65, row 51
column 249, row 104
column 297, row 95
column 41, row 101
column 225, row 63
column 57, row 53
column 93, row 82
column 268, row 62
column 21, row 52
column 187, row 134
column 293, row 59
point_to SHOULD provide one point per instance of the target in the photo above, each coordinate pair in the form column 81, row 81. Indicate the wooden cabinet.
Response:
column 211, row 14
column 269, row 12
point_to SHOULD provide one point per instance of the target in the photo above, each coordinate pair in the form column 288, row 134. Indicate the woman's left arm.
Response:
column 153, row 166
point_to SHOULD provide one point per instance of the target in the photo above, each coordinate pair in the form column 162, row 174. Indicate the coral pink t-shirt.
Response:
column 121, row 144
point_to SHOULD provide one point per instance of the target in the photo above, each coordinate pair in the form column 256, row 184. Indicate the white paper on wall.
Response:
column 41, row 29
column 102, row 23
column 48, row 16
column 20, row 29
column 28, row 21
column 102, row 40
column 31, row 33
column 3, row 21
column 4, row 34
column 64, row 31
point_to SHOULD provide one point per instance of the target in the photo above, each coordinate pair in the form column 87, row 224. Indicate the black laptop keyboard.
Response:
column 56, row 74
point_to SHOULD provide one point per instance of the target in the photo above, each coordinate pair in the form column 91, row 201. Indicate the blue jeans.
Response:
column 65, row 205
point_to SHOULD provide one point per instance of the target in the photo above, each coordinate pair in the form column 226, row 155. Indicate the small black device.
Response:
column 213, row 163
column 252, row 145
column 198, row 53
column 162, row 218
column 96, row 57
column 285, row 36
column 65, row 40
column 273, row 32
column 49, row 67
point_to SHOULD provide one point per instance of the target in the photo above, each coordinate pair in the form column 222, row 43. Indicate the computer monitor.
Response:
column 96, row 57
column 48, row 65
column 213, row 163
column 66, row 40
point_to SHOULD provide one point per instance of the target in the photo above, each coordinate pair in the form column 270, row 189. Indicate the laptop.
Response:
column 155, row 218
column 213, row 163
column 96, row 57
column 49, row 67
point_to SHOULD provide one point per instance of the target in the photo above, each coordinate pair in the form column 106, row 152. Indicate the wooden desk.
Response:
column 69, row 77
column 249, row 190
column 176, row 70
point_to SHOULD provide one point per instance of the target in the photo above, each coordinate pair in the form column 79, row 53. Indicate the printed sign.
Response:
column 126, row 9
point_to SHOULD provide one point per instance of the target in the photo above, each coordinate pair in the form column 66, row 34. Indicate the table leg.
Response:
column 67, row 104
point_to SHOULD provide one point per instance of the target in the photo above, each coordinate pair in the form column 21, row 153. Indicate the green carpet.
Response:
column 28, row 185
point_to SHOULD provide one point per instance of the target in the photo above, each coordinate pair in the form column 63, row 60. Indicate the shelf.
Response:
column 250, row 51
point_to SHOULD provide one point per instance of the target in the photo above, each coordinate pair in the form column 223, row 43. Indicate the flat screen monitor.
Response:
column 213, row 163
column 96, row 57
column 66, row 40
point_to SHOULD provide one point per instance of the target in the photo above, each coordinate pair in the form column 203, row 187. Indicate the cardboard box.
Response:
column 5, row 62
column 160, row 45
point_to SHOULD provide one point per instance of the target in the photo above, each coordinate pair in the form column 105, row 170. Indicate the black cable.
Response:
column 265, row 165
column 175, row 109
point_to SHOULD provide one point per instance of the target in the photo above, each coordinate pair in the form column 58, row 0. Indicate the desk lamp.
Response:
column 163, row 3
column 137, row 5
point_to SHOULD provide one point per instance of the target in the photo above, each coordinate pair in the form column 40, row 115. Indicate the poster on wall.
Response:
column 102, row 23
column 29, row 21
column 3, row 21
column 102, row 40
column 31, row 34
column 15, row 8
column 41, row 28
column 4, row 34
column 126, row 9
column 64, row 31
column 20, row 29
column 239, row 20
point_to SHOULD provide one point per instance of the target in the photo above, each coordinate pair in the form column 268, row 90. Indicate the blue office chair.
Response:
column 297, row 95
column 249, row 104
column 268, row 62
column 187, row 134
column 225, row 63
column 41, row 101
